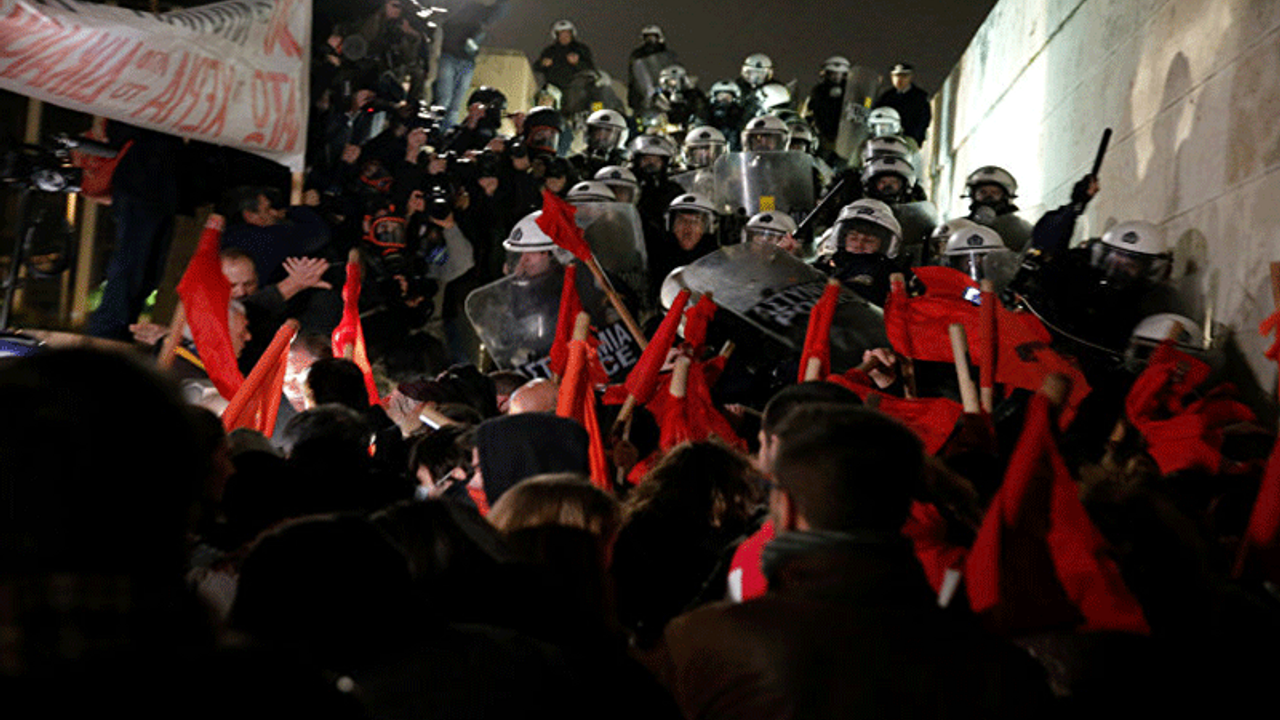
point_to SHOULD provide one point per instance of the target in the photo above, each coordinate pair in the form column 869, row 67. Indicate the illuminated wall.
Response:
column 1191, row 89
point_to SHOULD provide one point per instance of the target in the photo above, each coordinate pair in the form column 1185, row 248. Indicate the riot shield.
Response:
column 918, row 219
column 701, row 181
column 751, row 182
column 644, row 73
column 859, row 94
column 616, row 236
column 773, row 293
column 515, row 318
column 1014, row 231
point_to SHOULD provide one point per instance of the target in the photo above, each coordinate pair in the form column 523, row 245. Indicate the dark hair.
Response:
column 442, row 451
column 793, row 396
column 338, row 380
column 848, row 468
column 701, row 484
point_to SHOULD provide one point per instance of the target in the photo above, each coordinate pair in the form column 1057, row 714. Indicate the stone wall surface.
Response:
column 1191, row 89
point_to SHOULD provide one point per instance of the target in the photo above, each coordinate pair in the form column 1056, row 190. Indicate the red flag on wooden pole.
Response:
column 206, row 297
column 815, row 359
column 348, row 336
column 1038, row 560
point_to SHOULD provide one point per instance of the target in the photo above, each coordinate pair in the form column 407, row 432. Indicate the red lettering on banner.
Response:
column 154, row 61
column 85, row 62
column 275, row 99
column 190, row 96
column 260, row 105
column 162, row 105
column 278, row 31
column 43, row 57
column 22, row 24
column 128, row 92
column 108, row 78
column 218, row 100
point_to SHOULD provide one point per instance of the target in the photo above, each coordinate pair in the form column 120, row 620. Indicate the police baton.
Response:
column 1102, row 152
column 823, row 203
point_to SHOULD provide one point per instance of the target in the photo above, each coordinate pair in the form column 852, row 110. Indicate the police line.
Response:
column 231, row 73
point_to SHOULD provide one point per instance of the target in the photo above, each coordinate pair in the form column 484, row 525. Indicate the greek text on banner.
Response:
column 231, row 73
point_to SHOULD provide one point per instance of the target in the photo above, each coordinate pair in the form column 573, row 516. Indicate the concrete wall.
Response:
column 1191, row 89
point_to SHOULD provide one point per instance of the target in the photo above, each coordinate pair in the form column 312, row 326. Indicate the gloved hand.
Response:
column 1083, row 191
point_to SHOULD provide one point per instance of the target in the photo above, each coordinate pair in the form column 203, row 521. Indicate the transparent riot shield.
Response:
column 515, row 318
column 773, row 293
column 918, row 219
column 644, row 73
column 1014, row 231
column 701, row 181
column 751, row 182
column 859, row 94
column 616, row 236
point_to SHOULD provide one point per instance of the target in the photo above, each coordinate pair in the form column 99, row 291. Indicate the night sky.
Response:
column 713, row 36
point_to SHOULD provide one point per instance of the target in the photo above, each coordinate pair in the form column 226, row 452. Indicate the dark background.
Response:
column 713, row 36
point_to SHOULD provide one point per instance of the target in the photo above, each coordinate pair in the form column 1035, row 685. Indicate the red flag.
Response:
column 931, row 419
column 1039, row 561
column 206, row 295
column 350, row 333
column 1182, row 436
column 557, row 221
column 1259, row 553
column 577, row 402
column 817, row 339
column 696, row 321
column 257, row 402
column 570, row 306
column 642, row 381
column 926, row 528
column 693, row 416
column 746, row 572
column 917, row 328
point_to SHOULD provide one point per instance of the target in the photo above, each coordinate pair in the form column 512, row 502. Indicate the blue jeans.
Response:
column 452, row 82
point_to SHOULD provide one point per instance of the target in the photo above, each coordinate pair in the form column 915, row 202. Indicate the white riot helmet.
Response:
column 1131, row 251
column 884, row 121
column 702, row 145
column 835, row 68
column 886, row 146
column 621, row 181
column 873, row 186
column 654, row 30
column 992, row 175
column 693, row 203
column 652, row 145
column 757, row 69
column 725, row 87
column 769, row 226
column 765, row 133
column 560, row 26
column 967, row 247
column 1153, row 330
column 869, row 217
column 801, row 138
column 942, row 234
column 606, row 130
column 774, row 96
column 527, row 237
column 674, row 78
column 589, row 191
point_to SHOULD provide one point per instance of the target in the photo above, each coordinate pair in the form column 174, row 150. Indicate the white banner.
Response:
column 231, row 73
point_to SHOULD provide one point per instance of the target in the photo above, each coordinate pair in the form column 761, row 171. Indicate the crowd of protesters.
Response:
column 479, row 542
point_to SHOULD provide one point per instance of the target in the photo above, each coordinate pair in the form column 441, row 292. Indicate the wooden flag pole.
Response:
column 632, row 326
column 960, row 352
column 169, row 346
